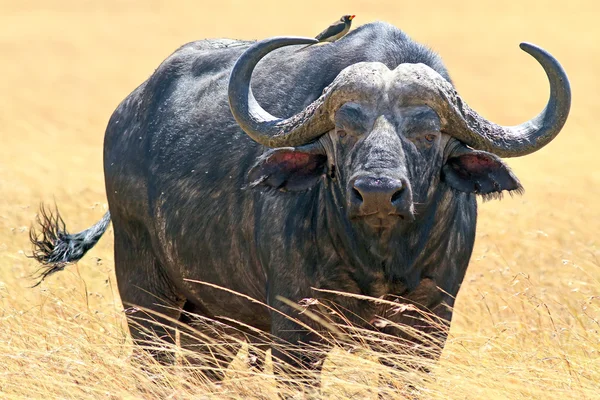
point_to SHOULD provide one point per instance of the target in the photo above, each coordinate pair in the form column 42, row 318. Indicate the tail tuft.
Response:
column 54, row 247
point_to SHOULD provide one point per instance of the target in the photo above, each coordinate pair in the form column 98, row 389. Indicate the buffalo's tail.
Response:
column 54, row 247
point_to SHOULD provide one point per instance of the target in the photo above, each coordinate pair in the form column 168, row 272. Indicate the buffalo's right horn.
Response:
column 261, row 126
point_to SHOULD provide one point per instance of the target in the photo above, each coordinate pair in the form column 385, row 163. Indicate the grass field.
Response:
column 527, row 320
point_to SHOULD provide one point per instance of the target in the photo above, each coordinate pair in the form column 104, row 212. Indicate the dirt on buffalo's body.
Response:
column 527, row 319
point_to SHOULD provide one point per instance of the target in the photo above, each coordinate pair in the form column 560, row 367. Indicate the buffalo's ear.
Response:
column 479, row 172
column 289, row 168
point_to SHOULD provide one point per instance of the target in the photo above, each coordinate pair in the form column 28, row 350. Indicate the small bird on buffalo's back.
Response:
column 335, row 31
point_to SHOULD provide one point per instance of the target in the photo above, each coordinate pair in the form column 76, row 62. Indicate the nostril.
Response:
column 356, row 195
column 396, row 196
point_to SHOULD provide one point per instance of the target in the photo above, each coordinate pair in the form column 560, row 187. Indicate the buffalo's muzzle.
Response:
column 380, row 201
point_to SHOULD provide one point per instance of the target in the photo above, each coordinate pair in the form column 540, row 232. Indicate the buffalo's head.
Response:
column 390, row 138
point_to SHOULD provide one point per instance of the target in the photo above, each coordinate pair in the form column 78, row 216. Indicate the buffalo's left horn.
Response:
column 422, row 85
column 261, row 126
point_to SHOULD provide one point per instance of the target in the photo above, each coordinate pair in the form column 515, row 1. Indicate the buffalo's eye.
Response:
column 421, row 125
column 422, row 140
column 350, row 119
column 430, row 137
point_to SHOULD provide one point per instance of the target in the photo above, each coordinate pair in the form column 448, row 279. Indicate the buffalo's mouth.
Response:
column 375, row 221
column 379, row 220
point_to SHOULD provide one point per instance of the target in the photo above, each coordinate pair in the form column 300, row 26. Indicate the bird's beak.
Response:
column 352, row 17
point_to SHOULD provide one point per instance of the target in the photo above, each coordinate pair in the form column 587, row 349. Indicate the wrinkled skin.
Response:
column 383, row 205
column 420, row 247
column 183, row 209
column 396, row 215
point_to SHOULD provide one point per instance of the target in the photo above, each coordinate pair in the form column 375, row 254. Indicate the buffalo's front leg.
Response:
column 419, row 327
column 420, row 323
column 299, row 350
column 420, row 320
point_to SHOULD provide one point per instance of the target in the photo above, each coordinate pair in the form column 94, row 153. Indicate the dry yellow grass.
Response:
column 527, row 321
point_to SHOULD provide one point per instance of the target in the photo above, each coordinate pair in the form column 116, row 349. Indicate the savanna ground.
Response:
column 527, row 320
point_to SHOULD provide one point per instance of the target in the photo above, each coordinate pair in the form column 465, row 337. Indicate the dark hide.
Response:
column 194, row 198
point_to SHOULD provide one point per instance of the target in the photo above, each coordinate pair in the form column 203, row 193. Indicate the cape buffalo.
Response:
column 367, row 184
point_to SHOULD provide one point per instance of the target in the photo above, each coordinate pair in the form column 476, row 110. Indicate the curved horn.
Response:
column 467, row 125
column 261, row 126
